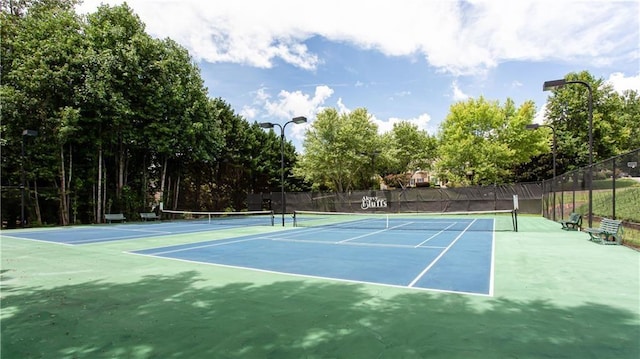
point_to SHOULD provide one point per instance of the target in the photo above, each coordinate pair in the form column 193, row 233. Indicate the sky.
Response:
column 402, row 60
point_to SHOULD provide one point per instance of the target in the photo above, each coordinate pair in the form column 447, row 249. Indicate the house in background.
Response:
column 422, row 178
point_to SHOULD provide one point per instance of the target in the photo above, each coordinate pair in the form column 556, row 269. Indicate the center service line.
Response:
column 440, row 256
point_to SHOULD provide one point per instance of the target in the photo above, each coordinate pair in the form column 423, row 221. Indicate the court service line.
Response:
column 376, row 232
column 38, row 240
column 424, row 271
column 348, row 244
column 308, row 276
column 107, row 239
column 139, row 230
column 206, row 246
column 435, row 235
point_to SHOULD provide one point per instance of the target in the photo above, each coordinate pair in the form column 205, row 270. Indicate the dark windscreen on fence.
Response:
column 479, row 198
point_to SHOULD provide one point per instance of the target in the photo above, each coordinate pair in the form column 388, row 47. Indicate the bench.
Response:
column 114, row 217
column 148, row 216
column 609, row 232
column 574, row 222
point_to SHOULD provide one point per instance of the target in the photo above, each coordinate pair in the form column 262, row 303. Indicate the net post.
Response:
column 514, row 214
column 295, row 223
column 273, row 218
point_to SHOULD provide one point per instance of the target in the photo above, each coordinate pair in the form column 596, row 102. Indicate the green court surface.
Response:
column 556, row 295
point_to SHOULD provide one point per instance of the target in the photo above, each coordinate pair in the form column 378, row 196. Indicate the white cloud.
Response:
column 539, row 117
column 422, row 122
column 458, row 94
column 248, row 113
column 621, row 83
column 459, row 37
column 288, row 105
column 342, row 108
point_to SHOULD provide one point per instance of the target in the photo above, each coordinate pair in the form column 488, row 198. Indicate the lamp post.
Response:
column 553, row 151
column 553, row 84
column 25, row 133
column 296, row 120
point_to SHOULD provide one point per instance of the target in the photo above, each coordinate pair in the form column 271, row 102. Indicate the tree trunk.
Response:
column 163, row 178
column 176, row 192
column 120, row 174
column 99, row 207
column 37, row 203
column 69, row 183
column 64, row 210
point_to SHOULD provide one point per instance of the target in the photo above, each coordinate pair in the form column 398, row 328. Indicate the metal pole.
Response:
column 284, row 206
column 590, row 170
column 22, row 178
column 297, row 120
column 554, row 172
column 548, row 85
column 613, row 190
column 590, row 153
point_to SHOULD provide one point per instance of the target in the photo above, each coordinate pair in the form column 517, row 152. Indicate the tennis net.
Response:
column 499, row 220
column 249, row 218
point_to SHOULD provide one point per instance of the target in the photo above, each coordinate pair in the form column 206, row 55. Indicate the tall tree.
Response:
column 568, row 110
column 46, row 52
column 338, row 149
column 481, row 141
column 407, row 149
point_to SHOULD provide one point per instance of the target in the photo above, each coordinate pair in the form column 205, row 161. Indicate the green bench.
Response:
column 149, row 216
column 609, row 232
column 573, row 223
column 109, row 217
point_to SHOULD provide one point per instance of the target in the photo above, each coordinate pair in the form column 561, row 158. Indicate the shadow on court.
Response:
column 175, row 317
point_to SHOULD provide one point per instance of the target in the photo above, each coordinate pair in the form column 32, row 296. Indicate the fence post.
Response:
column 613, row 190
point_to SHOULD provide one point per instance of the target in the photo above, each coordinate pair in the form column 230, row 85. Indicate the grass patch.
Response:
column 627, row 208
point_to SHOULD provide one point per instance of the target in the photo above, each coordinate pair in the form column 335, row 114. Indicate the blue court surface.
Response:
column 442, row 260
column 115, row 232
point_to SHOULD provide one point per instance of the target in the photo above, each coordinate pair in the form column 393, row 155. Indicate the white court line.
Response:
column 424, row 271
column 206, row 245
column 138, row 230
column 435, row 235
column 376, row 232
column 38, row 240
column 493, row 258
column 342, row 243
column 353, row 281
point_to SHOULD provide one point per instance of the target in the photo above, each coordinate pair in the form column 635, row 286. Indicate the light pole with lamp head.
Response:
column 553, row 151
column 25, row 133
column 554, row 84
column 296, row 120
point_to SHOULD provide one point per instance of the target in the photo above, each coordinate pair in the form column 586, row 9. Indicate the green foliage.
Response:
column 616, row 120
column 411, row 148
column 339, row 149
column 121, row 114
column 481, row 141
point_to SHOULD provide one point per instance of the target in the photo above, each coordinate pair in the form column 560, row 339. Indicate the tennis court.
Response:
column 554, row 293
column 447, row 254
column 194, row 223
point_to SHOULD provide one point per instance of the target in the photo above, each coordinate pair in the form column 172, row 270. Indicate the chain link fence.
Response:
column 615, row 192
